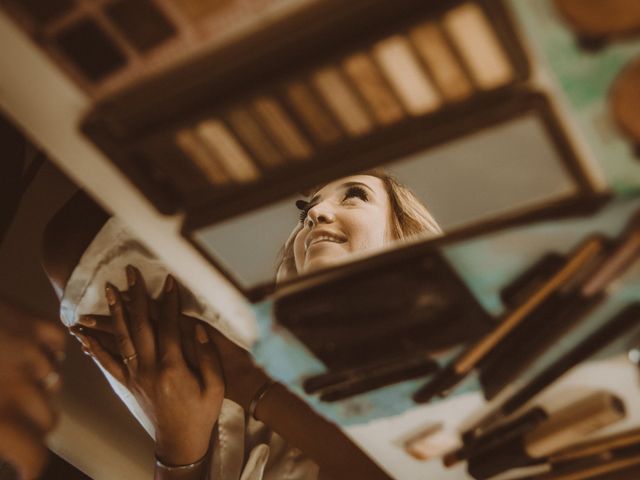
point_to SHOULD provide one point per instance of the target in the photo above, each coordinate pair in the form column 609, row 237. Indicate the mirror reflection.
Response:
column 509, row 168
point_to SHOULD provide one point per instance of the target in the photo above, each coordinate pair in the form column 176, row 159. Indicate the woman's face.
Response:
column 349, row 215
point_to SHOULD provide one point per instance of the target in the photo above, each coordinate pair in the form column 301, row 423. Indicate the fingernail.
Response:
column 111, row 295
column 131, row 275
column 168, row 284
column 201, row 334
column 83, row 340
column 87, row 321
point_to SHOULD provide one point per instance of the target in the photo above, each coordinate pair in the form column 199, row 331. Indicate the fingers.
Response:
column 102, row 323
column 188, row 336
column 51, row 336
column 21, row 322
column 110, row 363
column 32, row 403
column 22, row 446
column 209, row 363
column 169, row 341
column 40, row 368
column 106, row 340
column 23, row 358
column 121, row 330
column 225, row 347
column 139, row 325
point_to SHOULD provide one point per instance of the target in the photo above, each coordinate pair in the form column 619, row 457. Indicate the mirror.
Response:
column 513, row 167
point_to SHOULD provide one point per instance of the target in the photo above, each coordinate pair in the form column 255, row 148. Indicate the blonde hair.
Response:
column 409, row 215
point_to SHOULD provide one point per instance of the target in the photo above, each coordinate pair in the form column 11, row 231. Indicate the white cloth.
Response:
column 241, row 450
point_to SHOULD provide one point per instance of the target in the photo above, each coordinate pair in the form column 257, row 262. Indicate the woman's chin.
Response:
column 320, row 262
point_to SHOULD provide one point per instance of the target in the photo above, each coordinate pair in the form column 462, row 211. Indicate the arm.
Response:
column 294, row 419
column 291, row 417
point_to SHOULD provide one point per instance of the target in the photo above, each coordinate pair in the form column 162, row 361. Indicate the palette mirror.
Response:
column 510, row 170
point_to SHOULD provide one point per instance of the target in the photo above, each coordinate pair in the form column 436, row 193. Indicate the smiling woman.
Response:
column 356, row 214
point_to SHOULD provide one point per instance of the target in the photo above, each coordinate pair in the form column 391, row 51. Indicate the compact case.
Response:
column 328, row 91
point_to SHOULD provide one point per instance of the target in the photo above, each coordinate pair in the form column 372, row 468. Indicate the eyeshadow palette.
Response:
column 283, row 108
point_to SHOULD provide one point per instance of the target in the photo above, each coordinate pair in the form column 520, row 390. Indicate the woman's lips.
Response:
column 321, row 237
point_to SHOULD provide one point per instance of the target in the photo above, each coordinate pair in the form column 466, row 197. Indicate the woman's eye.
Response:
column 304, row 208
column 356, row 192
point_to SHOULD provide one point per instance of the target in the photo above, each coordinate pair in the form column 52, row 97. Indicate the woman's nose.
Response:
column 319, row 213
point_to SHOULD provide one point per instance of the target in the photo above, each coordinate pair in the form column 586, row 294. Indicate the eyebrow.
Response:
column 316, row 198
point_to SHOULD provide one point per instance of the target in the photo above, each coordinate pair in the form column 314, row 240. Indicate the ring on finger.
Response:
column 129, row 358
column 50, row 381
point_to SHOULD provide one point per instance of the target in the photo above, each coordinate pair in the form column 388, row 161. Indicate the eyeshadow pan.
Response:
column 90, row 49
column 43, row 11
column 140, row 22
column 202, row 157
column 406, row 75
column 197, row 10
column 312, row 114
column 281, row 127
column 256, row 140
column 445, row 69
column 342, row 102
column 365, row 75
column 217, row 138
column 479, row 46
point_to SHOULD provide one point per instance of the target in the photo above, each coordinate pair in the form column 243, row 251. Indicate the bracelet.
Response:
column 176, row 468
column 262, row 391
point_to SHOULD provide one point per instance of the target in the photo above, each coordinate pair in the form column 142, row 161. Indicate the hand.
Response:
column 31, row 349
column 183, row 403
column 242, row 377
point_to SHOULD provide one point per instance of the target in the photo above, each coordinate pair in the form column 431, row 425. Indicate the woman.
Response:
column 350, row 216
column 355, row 214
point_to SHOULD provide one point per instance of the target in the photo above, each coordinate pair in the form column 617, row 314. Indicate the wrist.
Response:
column 263, row 408
column 259, row 396
column 173, row 455
column 191, row 471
